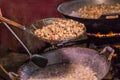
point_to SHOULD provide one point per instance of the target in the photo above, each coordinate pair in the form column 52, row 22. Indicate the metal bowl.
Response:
column 39, row 24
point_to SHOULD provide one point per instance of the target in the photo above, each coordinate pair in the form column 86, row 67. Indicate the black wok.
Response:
column 76, row 55
column 101, row 24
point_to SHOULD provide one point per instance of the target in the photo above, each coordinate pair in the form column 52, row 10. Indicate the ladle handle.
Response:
column 18, row 39
column 110, row 16
column 15, row 24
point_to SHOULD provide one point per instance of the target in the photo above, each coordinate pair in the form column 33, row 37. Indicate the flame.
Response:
column 117, row 46
column 110, row 34
column 98, row 34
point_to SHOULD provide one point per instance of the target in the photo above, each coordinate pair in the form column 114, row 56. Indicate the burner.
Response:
column 102, row 39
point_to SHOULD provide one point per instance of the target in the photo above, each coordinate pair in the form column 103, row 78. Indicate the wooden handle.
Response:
column 15, row 24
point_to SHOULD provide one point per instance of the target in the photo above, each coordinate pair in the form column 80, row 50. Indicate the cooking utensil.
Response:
column 102, row 24
column 5, row 75
column 36, row 59
column 15, row 24
column 39, row 24
column 76, row 55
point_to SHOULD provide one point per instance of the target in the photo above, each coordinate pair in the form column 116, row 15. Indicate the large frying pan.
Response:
column 76, row 55
column 38, row 25
column 101, row 24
